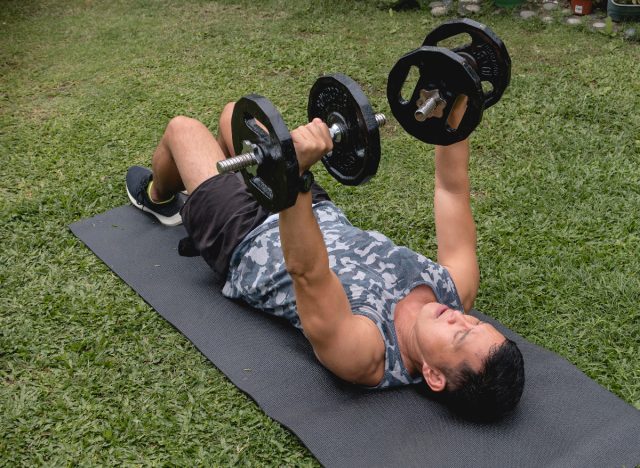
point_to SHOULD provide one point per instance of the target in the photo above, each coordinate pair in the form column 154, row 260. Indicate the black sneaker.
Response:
column 168, row 213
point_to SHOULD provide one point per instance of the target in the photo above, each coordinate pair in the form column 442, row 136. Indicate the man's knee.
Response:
column 182, row 124
column 225, row 115
column 224, row 129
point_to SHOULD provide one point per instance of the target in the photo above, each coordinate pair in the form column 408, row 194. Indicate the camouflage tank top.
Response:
column 374, row 272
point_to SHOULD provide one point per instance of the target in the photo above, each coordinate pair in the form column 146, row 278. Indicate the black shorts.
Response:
column 220, row 213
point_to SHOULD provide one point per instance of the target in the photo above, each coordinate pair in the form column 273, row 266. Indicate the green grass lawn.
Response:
column 89, row 374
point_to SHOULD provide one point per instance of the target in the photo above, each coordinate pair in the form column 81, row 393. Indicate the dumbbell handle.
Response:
column 428, row 105
column 253, row 158
column 426, row 110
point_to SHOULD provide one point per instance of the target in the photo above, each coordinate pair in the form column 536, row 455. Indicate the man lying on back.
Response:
column 376, row 314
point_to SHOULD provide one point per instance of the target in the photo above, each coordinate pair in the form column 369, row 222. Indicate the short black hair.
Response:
column 491, row 393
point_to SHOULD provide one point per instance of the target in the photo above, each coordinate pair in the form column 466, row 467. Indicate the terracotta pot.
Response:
column 581, row 7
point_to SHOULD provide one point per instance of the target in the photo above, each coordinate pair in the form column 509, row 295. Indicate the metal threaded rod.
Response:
column 381, row 120
column 237, row 162
column 426, row 110
column 248, row 159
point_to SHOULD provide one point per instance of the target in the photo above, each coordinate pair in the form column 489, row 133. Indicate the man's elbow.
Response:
column 306, row 273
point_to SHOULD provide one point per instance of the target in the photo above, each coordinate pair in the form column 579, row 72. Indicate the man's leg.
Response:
column 185, row 157
column 224, row 130
column 225, row 139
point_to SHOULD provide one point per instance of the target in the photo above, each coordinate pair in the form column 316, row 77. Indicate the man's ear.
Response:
column 434, row 378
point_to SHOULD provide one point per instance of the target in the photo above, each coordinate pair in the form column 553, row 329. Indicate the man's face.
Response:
column 447, row 338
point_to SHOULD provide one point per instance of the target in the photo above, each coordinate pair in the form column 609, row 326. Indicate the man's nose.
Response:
column 456, row 317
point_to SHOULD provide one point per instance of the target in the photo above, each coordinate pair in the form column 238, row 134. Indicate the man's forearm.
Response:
column 452, row 167
column 303, row 246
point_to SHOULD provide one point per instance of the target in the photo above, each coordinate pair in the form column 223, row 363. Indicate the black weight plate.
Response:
column 355, row 159
column 274, row 183
column 492, row 61
column 447, row 72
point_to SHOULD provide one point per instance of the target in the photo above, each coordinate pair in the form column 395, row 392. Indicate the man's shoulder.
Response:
column 368, row 359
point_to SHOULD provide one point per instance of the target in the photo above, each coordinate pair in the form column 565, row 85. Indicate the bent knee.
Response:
column 225, row 115
column 181, row 124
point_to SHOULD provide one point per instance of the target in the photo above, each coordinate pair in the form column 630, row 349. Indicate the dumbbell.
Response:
column 267, row 159
column 444, row 76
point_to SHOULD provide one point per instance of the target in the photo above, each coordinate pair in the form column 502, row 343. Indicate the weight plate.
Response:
column 488, row 54
column 274, row 182
column 355, row 158
column 439, row 69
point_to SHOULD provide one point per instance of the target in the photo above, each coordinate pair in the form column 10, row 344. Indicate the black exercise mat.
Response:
column 564, row 419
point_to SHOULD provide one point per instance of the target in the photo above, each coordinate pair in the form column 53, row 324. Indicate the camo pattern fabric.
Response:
column 374, row 272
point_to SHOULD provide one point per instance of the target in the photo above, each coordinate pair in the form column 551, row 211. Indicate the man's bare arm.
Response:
column 348, row 345
column 455, row 228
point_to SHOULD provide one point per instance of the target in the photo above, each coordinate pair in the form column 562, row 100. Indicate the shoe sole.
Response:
column 174, row 220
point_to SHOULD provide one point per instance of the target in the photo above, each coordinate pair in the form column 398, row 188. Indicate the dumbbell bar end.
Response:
column 251, row 156
column 429, row 105
column 336, row 130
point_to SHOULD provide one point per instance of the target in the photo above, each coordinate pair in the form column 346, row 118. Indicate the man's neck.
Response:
column 405, row 316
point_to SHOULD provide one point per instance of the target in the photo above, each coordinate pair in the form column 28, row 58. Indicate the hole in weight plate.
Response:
column 457, row 112
column 487, row 88
column 455, row 42
column 410, row 83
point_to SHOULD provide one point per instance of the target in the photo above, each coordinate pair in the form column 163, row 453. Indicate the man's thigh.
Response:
column 194, row 149
column 218, row 216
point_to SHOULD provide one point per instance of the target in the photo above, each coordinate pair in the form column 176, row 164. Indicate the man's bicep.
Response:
column 348, row 345
column 355, row 352
column 465, row 273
